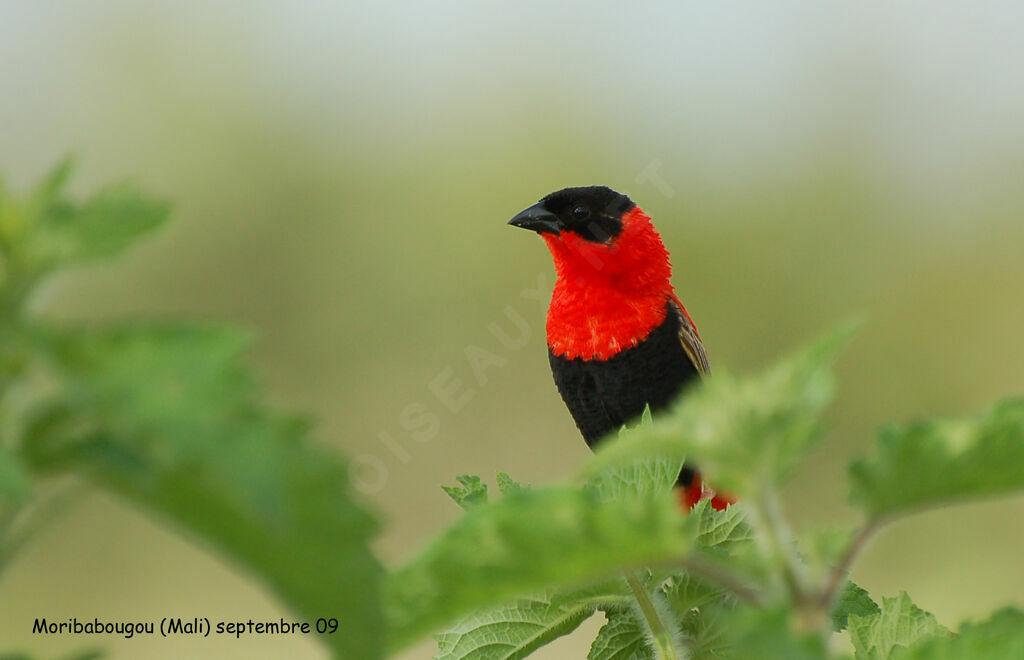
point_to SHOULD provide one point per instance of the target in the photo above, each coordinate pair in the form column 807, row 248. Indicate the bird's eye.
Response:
column 581, row 212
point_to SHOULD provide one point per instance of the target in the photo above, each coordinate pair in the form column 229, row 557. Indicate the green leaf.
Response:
column 507, row 484
column 530, row 540
column 899, row 623
column 472, row 492
column 702, row 610
column 14, row 478
column 942, row 461
column 726, row 530
column 852, row 600
column 106, row 224
column 514, row 631
column 621, row 638
column 647, row 475
column 768, row 634
column 50, row 189
column 823, row 548
column 743, row 432
column 726, row 545
column 999, row 638
column 168, row 418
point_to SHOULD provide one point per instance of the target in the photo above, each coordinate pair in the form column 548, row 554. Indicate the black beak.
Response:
column 536, row 218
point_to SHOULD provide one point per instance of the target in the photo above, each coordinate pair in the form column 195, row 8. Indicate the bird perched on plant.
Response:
column 619, row 339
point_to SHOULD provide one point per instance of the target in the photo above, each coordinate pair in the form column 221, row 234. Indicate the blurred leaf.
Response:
column 168, row 417
column 515, row 630
column 999, row 638
column 529, row 540
column 14, row 478
column 85, row 655
column 852, row 599
column 62, row 232
column 472, row 492
column 507, row 484
column 17, row 216
column 621, row 638
column 49, row 189
column 940, row 461
column 821, row 549
column 76, row 655
column 107, row 223
column 743, row 432
column 767, row 634
column 899, row 623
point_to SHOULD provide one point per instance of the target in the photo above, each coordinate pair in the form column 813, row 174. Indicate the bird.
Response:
column 618, row 337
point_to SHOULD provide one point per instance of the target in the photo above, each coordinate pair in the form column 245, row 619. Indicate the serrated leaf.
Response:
column 168, row 418
column 852, row 600
column 702, row 610
column 646, row 476
column 899, row 623
column 513, row 631
column 726, row 541
column 942, row 461
column 726, row 529
column 507, row 484
column 999, row 638
column 745, row 433
column 621, row 638
column 472, row 492
column 530, row 540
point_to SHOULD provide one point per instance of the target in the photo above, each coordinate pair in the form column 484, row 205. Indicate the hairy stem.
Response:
column 664, row 645
column 781, row 540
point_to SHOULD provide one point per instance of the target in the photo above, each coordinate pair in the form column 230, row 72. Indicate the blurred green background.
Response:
column 342, row 174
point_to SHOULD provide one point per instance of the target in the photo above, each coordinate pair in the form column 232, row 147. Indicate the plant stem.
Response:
column 35, row 517
column 854, row 549
column 664, row 645
column 780, row 537
column 716, row 573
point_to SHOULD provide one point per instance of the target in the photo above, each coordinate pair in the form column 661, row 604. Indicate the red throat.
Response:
column 608, row 297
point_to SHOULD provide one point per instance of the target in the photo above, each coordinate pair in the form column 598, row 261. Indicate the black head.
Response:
column 592, row 212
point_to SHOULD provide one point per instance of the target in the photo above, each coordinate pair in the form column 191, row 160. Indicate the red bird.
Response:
column 618, row 337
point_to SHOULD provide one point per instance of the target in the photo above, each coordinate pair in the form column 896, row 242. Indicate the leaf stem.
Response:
column 853, row 550
column 716, row 573
column 664, row 645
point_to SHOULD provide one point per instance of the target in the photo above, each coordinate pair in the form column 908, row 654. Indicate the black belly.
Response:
column 602, row 395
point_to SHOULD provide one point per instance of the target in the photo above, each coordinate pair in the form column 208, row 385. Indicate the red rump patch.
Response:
column 688, row 496
column 609, row 296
